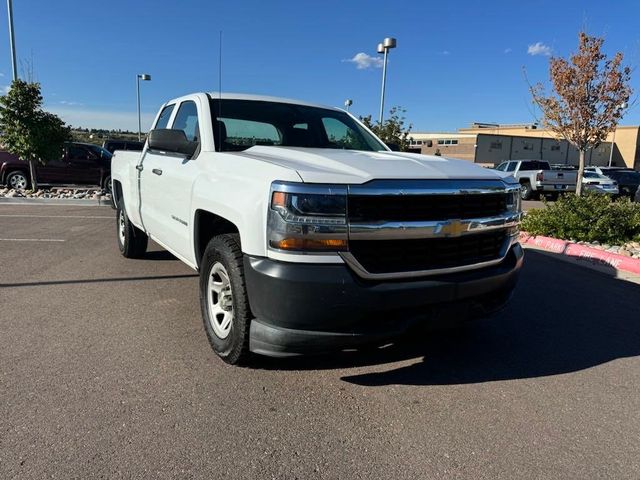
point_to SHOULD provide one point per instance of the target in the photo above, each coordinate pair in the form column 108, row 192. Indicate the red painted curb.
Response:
column 593, row 255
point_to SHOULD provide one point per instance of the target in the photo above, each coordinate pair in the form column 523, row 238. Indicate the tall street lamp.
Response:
column 622, row 106
column 384, row 47
column 140, row 76
column 12, row 40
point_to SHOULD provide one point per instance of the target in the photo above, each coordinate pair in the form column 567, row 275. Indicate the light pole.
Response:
column 613, row 140
column 384, row 47
column 12, row 40
column 140, row 76
column 347, row 103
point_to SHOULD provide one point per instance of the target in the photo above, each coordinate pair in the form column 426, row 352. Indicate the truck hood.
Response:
column 321, row 165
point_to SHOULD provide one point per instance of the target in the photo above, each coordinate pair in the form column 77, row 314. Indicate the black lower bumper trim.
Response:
column 311, row 308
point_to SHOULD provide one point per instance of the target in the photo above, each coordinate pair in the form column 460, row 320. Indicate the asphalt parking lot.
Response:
column 105, row 371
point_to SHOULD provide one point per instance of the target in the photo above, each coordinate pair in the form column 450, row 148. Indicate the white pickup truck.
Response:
column 308, row 232
column 537, row 178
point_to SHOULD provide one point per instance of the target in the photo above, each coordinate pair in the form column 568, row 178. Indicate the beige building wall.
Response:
column 544, row 145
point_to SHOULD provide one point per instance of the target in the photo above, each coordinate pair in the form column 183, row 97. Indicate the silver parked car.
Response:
column 598, row 183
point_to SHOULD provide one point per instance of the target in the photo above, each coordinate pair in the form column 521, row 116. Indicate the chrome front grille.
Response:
column 426, row 227
column 391, row 256
column 366, row 208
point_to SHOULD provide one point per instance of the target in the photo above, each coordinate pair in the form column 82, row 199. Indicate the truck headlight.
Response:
column 307, row 218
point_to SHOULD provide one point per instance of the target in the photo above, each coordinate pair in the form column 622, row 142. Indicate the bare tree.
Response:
column 590, row 95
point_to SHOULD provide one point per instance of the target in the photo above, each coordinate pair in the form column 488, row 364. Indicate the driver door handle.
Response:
column 157, row 171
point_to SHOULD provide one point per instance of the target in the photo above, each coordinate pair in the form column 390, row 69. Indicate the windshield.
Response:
column 241, row 124
column 591, row 175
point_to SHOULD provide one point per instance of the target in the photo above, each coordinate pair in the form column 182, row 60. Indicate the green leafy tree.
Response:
column 393, row 130
column 26, row 130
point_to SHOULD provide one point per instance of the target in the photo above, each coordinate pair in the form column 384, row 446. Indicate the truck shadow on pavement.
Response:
column 159, row 255
column 95, row 280
column 563, row 318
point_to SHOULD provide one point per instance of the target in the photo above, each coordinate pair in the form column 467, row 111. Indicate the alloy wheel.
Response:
column 18, row 181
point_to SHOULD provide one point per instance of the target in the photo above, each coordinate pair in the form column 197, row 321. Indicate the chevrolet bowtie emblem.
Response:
column 453, row 228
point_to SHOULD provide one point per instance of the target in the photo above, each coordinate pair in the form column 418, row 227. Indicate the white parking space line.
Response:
column 31, row 240
column 58, row 216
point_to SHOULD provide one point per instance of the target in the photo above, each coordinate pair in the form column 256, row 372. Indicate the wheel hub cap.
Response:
column 19, row 182
column 220, row 301
column 121, row 227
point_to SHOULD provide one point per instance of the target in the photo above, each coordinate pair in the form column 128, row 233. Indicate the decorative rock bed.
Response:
column 629, row 249
column 57, row 192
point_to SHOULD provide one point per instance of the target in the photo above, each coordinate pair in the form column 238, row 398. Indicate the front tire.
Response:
column 223, row 299
column 17, row 180
column 106, row 184
column 132, row 241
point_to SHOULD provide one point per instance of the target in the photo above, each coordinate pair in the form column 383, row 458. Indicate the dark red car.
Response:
column 81, row 164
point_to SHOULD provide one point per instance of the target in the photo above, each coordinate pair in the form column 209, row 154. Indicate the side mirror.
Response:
column 174, row 141
column 394, row 147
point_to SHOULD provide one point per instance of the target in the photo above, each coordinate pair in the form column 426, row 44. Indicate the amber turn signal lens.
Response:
column 309, row 244
column 279, row 199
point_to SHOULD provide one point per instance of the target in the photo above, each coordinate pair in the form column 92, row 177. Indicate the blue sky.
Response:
column 456, row 62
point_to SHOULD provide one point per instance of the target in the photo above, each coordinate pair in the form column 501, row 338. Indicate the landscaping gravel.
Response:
column 629, row 249
column 59, row 192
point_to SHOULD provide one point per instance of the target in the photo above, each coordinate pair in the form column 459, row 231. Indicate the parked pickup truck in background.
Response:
column 537, row 178
column 112, row 145
column 80, row 164
column 308, row 232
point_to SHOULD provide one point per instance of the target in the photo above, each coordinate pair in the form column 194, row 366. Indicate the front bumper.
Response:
column 312, row 308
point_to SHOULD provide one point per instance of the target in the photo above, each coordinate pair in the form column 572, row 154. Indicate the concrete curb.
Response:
column 587, row 255
column 54, row 201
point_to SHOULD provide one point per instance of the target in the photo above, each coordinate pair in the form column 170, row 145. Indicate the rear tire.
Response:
column 18, row 180
column 223, row 299
column 132, row 241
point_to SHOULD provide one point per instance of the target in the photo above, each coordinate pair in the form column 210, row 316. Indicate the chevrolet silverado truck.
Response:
column 537, row 178
column 308, row 232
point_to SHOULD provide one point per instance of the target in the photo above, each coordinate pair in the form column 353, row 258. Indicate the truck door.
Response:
column 55, row 171
column 84, row 166
column 166, row 185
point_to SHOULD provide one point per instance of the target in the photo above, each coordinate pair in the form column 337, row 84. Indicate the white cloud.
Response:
column 5, row 89
column 364, row 61
column 445, row 52
column 539, row 48
column 101, row 118
column 1, row 74
column 70, row 104
column 508, row 50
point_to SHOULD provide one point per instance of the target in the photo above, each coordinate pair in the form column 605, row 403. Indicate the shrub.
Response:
column 591, row 217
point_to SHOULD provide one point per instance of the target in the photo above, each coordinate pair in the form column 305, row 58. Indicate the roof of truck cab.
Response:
column 257, row 98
